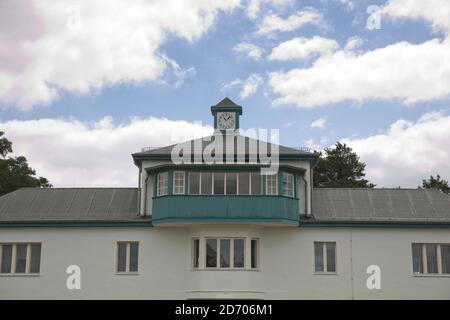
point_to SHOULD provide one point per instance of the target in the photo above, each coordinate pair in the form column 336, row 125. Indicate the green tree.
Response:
column 436, row 183
column 340, row 167
column 15, row 172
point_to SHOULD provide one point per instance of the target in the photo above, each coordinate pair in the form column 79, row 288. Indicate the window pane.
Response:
column 244, row 183
column 318, row 256
column 21, row 258
column 6, row 258
column 211, row 253
column 35, row 263
column 231, row 183
column 445, row 255
column 271, row 181
column 256, row 183
column 417, row 258
column 134, row 253
column 162, row 184
column 331, row 257
column 194, row 183
column 225, row 253
column 288, row 185
column 206, row 183
column 431, row 258
column 196, row 252
column 254, row 253
column 178, row 187
column 219, row 183
column 238, row 253
column 121, row 257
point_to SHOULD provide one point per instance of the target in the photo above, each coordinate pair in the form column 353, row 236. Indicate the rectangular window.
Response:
column 196, row 253
column 325, row 257
column 219, row 183
column 256, row 183
column 127, row 257
column 211, row 253
column 430, row 258
column 20, row 258
column 288, row 184
column 194, row 182
column 231, row 182
column 178, row 182
column 417, row 258
column 254, row 253
column 272, row 184
column 163, row 184
column 432, row 263
column 244, row 183
column 238, row 249
column 225, row 253
column 445, row 257
column 207, row 183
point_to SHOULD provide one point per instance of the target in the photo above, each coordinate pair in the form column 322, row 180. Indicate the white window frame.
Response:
column 425, row 259
column 193, row 253
column 271, row 190
column 162, row 184
column 179, row 189
column 27, row 259
column 291, row 179
column 127, row 257
column 231, row 239
column 325, row 258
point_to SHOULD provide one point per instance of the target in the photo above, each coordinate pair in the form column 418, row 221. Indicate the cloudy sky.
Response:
column 83, row 85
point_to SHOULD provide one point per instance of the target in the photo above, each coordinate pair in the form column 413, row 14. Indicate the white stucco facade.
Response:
column 286, row 269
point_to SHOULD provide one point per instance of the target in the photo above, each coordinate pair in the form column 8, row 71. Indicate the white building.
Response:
column 214, row 226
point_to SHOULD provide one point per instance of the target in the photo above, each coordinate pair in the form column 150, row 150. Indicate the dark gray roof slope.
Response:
column 70, row 205
column 283, row 151
column 380, row 205
column 103, row 205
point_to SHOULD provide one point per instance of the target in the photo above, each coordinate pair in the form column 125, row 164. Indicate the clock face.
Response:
column 225, row 120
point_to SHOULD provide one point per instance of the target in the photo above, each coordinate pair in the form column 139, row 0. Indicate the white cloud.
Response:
column 404, row 71
column 249, row 49
column 353, row 43
column 51, row 46
column 319, row 123
column 248, row 86
column 301, row 48
column 435, row 11
column 408, row 152
column 72, row 153
column 273, row 23
column 254, row 6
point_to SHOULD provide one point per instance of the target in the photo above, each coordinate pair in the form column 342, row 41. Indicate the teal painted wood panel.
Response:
column 225, row 208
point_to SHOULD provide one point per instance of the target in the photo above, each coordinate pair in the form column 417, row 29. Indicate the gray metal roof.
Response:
column 206, row 141
column 380, row 205
column 70, row 205
column 340, row 205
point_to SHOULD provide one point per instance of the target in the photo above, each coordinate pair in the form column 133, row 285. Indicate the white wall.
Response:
column 287, row 264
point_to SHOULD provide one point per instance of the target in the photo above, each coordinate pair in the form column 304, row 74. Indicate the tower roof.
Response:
column 226, row 102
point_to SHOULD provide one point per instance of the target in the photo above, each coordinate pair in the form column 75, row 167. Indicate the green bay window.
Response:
column 224, row 183
column 288, row 184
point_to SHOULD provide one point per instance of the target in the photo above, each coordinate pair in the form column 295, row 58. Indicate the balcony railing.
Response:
column 225, row 208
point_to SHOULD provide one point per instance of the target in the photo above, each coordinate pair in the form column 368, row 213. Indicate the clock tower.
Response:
column 226, row 117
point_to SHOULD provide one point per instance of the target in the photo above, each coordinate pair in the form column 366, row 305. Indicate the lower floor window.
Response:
column 20, row 258
column 429, row 258
column 226, row 253
column 325, row 256
column 127, row 256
